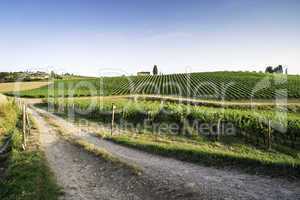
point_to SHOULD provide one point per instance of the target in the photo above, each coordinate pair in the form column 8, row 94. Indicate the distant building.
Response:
column 143, row 73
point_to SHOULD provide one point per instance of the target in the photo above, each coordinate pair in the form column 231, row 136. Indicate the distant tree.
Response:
column 155, row 70
column 278, row 69
column 52, row 74
column 269, row 69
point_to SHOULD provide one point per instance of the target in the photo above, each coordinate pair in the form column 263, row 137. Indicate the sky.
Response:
column 96, row 37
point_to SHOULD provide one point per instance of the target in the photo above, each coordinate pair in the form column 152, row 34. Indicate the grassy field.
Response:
column 212, row 85
column 27, row 175
column 227, row 152
column 247, row 151
column 21, row 86
column 249, row 123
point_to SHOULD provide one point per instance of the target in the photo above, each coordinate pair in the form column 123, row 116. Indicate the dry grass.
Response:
column 3, row 99
column 21, row 86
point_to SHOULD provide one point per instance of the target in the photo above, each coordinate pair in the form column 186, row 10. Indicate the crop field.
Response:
column 247, row 145
column 248, row 123
column 20, row 86
column 211, row 85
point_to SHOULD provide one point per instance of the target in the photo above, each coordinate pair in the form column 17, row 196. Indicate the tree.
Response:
column 278, row 69
column 52, row 74
column 269, row 69
column 155, row 70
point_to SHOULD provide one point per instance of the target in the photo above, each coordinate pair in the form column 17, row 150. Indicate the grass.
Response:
column 147, row 113
column 102, row 153
column 229, row 152
column 8, row 117
column 210, row 85
column 237, row 152
column 27, row 175
column 21, row 86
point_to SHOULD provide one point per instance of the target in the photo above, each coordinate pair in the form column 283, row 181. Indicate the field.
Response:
column 212, row 85
column 150, row 130
column 127, row 117
column 253, row 122
column 21, row 86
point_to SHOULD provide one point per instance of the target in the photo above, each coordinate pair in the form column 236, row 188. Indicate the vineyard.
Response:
column 210, row 85
column 253, row 126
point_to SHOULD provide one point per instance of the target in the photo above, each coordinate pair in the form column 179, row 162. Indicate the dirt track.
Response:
column 174, row 179
column 84, row 176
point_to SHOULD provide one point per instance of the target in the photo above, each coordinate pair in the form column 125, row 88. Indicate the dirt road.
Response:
column 173, row 179
column 84, row 176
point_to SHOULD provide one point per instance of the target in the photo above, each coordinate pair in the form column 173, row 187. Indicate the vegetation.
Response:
column 230, row 151
column 247, row 147
column 211, row 85
column 22, row 76
column 278, row 69
column 247, row 123
column 155, row 70
column 27, row 175
column 21, row 86
column 74, row 87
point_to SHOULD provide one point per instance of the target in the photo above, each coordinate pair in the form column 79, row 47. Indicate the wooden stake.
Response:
column 28, row 123
column 24, row 126
column 112, row 119
column 219, row 128
column 269, row 135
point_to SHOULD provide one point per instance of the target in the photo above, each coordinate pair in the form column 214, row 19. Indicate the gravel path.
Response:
column 175, row 179
column 85, row 176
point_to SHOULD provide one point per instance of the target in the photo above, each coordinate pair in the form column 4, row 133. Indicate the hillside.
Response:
column 208, row 85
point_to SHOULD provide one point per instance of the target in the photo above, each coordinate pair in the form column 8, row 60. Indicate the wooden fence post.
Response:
column 24, row 126
column 28, row 123
column 219, row 129
column 269, row 134
column 112, row 119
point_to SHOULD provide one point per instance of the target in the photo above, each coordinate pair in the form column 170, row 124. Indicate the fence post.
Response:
column 219, row 129
column 24, row 126
column 112, row 119
column 28, row 123
column 269, row 134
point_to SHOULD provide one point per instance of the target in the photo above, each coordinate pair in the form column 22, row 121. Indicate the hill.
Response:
column 208, row 85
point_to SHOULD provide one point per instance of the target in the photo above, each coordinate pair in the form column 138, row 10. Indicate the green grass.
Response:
column 255, row 124
column 229, row 151
column 234, row 154
column 27, row 175
column 8, row 117
column 209, row 85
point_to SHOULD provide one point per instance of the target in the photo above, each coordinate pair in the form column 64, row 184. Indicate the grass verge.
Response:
column 27, row 175
column 230, row 154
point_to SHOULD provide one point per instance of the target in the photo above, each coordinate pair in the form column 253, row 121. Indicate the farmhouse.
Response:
column 143, row 73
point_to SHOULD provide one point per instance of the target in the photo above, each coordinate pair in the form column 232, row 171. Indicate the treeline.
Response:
column 22, row 76
column 278, row 69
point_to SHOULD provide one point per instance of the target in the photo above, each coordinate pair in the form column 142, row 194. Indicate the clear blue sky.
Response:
column 87, row 36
